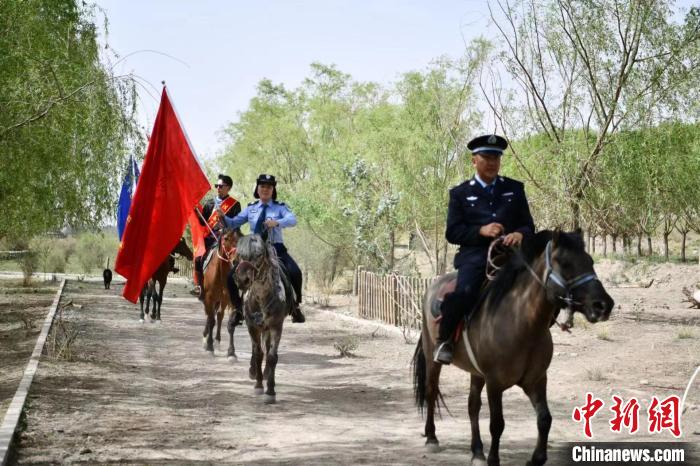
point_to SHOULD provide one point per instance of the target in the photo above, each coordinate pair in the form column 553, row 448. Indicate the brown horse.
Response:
column 508, row 342
column 160, row 276
column 267, row 299
column 216, row 296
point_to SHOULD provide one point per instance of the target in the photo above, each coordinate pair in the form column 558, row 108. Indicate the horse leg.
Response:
column 432, row 390
column 477, row 385
column 538, row 397
column 219, row 320
column 495, row 396
column 233, row 319
column 141, row 296
column 153, row 295
column 273, row 341
column 160, row 299
column 256, row 356
column 208, row 341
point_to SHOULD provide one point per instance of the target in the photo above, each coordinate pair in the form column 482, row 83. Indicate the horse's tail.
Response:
column 420, row 377
column 420, row 369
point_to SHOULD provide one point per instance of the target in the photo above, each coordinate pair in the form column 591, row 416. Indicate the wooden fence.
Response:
column 394, row 299
column 186, row 267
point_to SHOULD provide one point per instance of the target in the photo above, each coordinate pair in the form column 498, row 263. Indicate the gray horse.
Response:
column 267, row 299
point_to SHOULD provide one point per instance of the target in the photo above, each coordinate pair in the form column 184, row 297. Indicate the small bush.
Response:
column 346, row 347
column 28, row 263
column 594, row 374
column 604, row 334
column 56, row 262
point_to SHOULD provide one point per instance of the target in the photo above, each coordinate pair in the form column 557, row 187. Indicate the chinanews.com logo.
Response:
column 657, row 416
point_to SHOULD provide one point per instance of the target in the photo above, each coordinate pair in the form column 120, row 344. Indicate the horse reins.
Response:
column 229, row 253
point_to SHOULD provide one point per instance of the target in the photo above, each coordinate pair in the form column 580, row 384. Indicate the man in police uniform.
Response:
column 222, row 205
column 268, row 215
column 481, row 209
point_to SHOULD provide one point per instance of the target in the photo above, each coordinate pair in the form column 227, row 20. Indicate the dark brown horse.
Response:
column 268, row 298
column 216, row 296
column 160, row 276
column 508, row 341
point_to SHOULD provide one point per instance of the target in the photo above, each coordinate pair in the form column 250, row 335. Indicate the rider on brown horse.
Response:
column 222, row 204
column 481, row 209
column 268, row 216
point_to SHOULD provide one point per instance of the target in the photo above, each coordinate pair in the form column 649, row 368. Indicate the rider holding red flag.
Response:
column 221, row 203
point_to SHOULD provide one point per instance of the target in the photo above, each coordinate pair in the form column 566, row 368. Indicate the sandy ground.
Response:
column 148, row 394
column 22, row 312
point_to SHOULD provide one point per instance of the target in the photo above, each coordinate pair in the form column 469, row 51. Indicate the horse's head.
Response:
column 182, row 249
column 245, row 274
column 229, row 238
column 570, row 280
column 252, row 248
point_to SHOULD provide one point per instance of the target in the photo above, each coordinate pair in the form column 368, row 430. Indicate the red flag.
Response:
column 172, row 182
column 197, row 231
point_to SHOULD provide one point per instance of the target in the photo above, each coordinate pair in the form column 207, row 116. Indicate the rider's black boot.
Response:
column 452, row 310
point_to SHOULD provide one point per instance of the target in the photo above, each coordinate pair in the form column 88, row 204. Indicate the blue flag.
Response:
column 128, row 188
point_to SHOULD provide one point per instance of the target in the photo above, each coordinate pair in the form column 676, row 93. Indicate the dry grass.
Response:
column 346, row 346
column 604, row 334
column 594, row 374
column 686, row 333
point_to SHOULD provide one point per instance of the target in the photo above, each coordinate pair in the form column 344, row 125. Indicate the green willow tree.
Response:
column 66, row 121
column 598, row 67
column 364, row 166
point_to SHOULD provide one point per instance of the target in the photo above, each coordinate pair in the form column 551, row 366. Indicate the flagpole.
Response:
column 205, row 222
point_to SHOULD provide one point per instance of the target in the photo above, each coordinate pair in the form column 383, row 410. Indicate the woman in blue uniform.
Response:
column 267, row 214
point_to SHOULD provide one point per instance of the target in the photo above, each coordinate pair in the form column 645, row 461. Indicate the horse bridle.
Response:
column 567, row 285
column 228, row 253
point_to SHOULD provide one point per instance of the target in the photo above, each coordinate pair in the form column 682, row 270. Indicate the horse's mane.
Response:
column 248, row 252
column 530, row 250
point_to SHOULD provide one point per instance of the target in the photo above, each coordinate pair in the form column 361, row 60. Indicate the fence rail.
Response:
column 186, row 267
column 391, row 298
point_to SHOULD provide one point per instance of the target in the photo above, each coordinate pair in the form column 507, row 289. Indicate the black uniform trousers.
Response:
column 460, row 303
column 293, row 270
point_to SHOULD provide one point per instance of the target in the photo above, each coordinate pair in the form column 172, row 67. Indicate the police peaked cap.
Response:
column 226, row 179
column 488, row 144
column 266, row 179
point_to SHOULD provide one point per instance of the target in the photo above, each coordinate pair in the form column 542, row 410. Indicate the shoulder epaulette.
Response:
column 252, row 203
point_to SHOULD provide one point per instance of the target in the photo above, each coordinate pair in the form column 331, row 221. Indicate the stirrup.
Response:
column 443, row 353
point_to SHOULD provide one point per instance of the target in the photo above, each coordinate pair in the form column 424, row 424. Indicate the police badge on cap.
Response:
column 488, row 144
column 266, row 179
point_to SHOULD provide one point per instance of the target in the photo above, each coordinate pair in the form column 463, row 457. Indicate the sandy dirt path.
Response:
column 148, row 394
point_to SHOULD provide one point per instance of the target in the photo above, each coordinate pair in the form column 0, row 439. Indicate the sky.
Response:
column 212, row 54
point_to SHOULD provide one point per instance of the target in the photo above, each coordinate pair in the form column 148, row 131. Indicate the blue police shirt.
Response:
column 275, row 210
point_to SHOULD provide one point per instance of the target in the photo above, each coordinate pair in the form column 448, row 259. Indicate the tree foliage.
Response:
column 66, row 121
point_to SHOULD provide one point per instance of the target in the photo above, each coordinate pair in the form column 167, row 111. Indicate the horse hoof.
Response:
column 478, row 461
column 158, row 321
column 432, row 446
column 232, row 358
column 259, row 391
column 141, row 320
column 269, row 399
column 210, row 352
